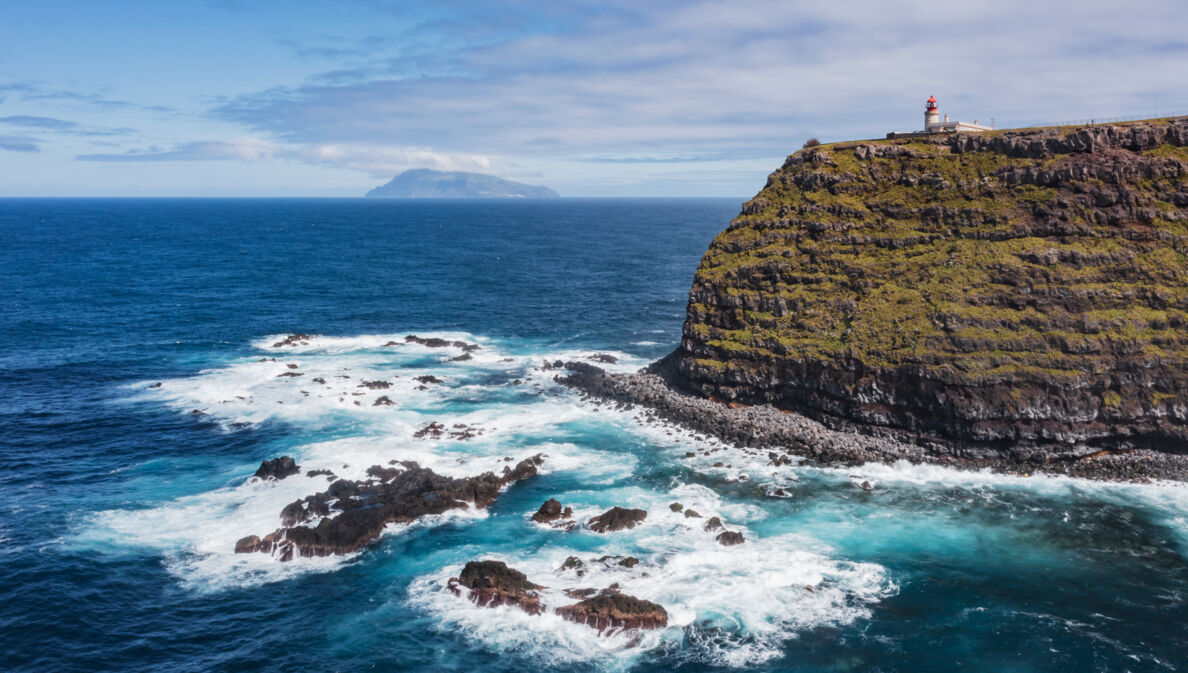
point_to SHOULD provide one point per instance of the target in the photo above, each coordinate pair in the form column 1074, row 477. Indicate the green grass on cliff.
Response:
column 937, row 260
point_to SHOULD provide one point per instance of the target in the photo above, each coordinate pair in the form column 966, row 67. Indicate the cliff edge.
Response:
column 985, row 292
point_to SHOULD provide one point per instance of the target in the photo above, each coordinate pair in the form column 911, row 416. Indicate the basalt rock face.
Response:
column 993, row 293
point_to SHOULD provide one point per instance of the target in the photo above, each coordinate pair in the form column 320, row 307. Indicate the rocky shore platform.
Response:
column 660, row 389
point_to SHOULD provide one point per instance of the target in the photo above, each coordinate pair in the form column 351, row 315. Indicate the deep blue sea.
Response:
column 123, row 499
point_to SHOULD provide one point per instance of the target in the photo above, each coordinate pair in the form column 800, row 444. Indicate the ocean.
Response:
column 142, row 387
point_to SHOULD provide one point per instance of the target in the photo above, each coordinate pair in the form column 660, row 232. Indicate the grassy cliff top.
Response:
column 1048, row 256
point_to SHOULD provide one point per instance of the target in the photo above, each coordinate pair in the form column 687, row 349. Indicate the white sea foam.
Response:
column 197, row 533
column 727, row 606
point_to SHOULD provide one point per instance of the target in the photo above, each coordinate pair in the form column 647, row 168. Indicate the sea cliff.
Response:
column 1016, row 295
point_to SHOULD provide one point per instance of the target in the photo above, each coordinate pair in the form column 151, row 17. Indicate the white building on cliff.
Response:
column 933, row 123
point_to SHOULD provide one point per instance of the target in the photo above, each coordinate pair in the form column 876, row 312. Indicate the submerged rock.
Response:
column 617, row 518
column 434, row 429
column 277, row 468
column 293, row 340
column 435, row 342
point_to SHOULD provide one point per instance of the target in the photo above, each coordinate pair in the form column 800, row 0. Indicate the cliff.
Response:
column 985, row 292
column 423, row 183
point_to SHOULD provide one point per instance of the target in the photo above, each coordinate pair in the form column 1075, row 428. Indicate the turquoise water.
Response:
column 121, row 506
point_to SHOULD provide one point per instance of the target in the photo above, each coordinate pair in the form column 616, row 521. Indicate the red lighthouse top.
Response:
column 931, row 102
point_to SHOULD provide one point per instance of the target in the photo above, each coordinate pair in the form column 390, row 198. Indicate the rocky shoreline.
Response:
column 660, row 389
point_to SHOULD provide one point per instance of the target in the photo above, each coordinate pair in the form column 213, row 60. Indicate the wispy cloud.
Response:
column 38, row 122
column 220, row 150
column 375, row 161
column 19, row 144
column 615, row 94
column 731, row 78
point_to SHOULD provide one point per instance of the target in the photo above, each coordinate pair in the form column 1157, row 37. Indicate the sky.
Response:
column 608, row 98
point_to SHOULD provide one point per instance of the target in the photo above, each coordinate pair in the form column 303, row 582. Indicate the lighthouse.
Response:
column 934, row 124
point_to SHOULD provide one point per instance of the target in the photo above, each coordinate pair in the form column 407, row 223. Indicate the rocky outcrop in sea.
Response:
column 351, row 514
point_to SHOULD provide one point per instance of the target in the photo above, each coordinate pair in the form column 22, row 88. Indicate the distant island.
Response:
column 423, row 183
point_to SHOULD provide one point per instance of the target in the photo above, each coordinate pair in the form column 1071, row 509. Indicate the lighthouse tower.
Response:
column 931, row 116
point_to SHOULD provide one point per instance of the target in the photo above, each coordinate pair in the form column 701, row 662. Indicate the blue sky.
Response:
column 253, row 98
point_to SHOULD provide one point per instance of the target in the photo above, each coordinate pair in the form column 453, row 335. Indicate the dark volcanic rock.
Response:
column 434, row 429
column 375, row 385
column 617, row 518
column 616, row 611
column 383, row 401
column 293, row 340
column 435, row 342
column 247, row 544
column 365, row 507
column 492, row 583
column 277, row 468
column 427, row 378
column 551, row 510
column 730, row 538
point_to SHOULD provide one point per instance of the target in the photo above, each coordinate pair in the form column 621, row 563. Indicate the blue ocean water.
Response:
column 121, row 505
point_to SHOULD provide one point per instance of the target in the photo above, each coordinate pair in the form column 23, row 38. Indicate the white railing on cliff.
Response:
column 1109, row 120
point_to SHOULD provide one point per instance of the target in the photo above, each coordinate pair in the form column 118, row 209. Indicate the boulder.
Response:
column 730, row 538
column 616, row 611
column 492, row 583
column 277, row 468
column 617, row 518
column 551, row 511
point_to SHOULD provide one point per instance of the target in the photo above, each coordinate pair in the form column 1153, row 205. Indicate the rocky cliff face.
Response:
column 989, row 292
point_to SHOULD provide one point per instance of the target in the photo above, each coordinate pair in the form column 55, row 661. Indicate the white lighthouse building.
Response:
column 934, row 124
